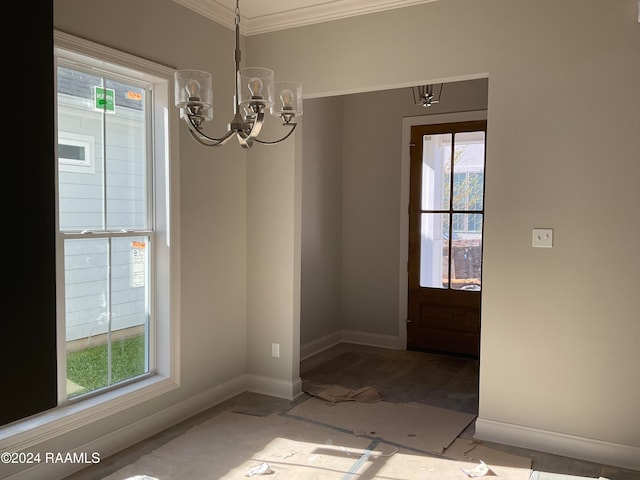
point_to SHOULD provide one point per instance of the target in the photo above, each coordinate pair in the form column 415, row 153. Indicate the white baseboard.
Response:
column 605, row 453
column 273, row 386
column 319, row 345
column 372, row 339
column 125, row 437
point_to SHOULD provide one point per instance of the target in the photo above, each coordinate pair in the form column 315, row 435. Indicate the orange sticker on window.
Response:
column 134, row 95
column 138, row 244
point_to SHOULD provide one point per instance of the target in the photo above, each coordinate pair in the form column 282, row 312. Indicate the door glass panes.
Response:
column 452, row 202
column 434, row 250
column 468, row 177
column 104, row 217
column 436, row 171
column 466, row 251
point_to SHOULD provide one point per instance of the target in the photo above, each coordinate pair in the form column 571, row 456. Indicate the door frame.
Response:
column 407, row 123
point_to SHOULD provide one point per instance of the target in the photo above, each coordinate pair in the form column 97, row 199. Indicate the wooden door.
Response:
column 446, row 210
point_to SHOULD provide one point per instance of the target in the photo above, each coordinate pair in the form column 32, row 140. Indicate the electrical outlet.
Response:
column 275, row 350
column 543, row 237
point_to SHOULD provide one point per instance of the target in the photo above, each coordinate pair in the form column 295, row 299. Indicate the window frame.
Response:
column 71, row 415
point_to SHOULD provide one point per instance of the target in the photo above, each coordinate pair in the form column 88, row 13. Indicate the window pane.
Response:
column 80, row 184
column 434, row 250
column 436, row 170
column 468, row 168
column 466, row 250
column 126, row 176
column 103, row 121
column 106, row 321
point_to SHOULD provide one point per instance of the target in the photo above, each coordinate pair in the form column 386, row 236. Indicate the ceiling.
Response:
column 261, row 16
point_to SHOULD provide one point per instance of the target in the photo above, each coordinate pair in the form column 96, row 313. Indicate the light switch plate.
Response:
column 543, row 237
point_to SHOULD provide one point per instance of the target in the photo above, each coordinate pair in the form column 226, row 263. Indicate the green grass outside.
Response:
column 88, row 368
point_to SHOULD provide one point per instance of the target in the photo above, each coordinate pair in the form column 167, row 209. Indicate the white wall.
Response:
column 558, row 347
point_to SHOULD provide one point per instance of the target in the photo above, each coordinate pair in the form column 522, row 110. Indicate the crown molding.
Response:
column 214, row 11
column 296, row 17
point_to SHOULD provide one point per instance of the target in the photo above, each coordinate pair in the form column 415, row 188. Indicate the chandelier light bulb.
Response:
column 255, row 87
column 193, row 89
column 287, row 99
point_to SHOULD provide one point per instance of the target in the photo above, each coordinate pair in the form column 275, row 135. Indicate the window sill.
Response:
column 42, row 427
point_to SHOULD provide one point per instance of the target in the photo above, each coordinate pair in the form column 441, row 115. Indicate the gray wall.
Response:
column 560, row 155
column 373, row 207
column 563, row 122
column 213, row 222
column 352, row 206
column 321, row 285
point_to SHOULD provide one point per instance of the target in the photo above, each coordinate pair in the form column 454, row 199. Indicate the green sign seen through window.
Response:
column 105, row 99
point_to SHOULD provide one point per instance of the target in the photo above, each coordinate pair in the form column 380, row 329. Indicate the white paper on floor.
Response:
column 414, row 425
column 230, row 445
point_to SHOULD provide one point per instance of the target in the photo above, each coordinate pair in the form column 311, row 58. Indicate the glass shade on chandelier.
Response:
column 194, row 95
column 256, row 92
column 256, row 85
column 289, row 101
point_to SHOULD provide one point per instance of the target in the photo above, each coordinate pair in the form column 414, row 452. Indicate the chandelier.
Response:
column 255, row 93
column 424, row 95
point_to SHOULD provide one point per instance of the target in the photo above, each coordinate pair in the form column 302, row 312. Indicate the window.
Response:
column 75, row 152
column 105, row 220
column 113, row 250
column 117, row 240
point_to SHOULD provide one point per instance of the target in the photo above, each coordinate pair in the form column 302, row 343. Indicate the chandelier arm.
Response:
column 257, row 123
column 204, row 139
column 293, row 127
column 245, row 142
column 246, row 138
